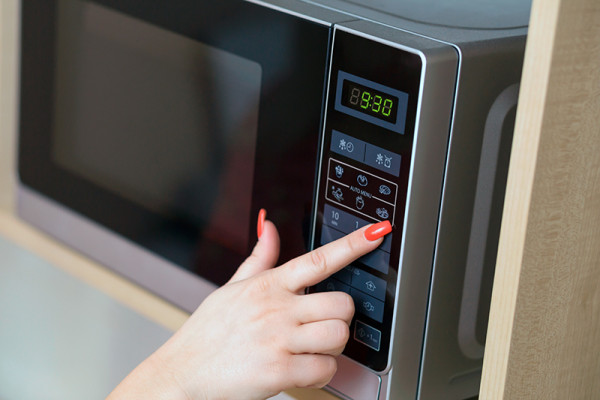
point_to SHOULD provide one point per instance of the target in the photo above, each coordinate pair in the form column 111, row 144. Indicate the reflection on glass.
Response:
column 159, row 119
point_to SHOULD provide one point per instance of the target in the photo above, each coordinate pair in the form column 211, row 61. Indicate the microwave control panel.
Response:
column 363, row 178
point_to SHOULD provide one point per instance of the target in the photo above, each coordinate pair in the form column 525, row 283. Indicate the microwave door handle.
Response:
column 482, row 212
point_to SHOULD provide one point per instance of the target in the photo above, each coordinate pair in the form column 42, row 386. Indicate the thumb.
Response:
column 264, row 255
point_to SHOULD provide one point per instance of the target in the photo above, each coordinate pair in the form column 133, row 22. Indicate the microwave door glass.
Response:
column 164, row 121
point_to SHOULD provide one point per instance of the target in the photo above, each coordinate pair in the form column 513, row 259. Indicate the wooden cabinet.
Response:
column 544, row 335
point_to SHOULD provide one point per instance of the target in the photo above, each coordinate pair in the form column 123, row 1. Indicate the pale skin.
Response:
column 259, row 334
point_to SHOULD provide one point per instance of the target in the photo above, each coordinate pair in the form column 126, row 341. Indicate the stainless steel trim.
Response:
column 326, row 20
column 401, row 376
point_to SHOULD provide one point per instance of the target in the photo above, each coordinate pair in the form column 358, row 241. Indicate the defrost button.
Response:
column 347, row 146
column 382, row 159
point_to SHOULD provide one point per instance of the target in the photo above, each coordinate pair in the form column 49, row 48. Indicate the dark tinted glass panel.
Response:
column 162, row 120
column 172, row 122
column 364, row 179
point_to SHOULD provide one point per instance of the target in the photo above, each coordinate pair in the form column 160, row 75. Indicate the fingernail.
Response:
column 378, row 230
column 260, row 224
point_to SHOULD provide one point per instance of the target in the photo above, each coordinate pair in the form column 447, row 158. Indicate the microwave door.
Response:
column 170, row 126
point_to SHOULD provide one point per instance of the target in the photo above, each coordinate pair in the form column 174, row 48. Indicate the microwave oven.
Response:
column 152, row 132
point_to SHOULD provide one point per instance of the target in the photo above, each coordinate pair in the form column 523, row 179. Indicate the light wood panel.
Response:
column 96, row 275
column 544, row 334
column 8, row 88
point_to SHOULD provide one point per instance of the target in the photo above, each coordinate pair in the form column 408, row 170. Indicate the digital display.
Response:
column 370, row 101
column 373, row 102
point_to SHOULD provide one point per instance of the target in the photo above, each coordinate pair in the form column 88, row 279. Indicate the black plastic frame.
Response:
column 400, row 70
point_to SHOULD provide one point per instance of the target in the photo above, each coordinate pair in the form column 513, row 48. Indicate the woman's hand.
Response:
column 260, row 334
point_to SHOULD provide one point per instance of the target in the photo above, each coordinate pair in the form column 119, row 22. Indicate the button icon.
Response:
column 362, row 180
column 337, row 193
column 360, row 203
column 346, row 146
column 339, row 171
column 384, row 160
column 385, row 190
column 368, row 306
column 382, row 213
column 370, row 286
column 387, row 162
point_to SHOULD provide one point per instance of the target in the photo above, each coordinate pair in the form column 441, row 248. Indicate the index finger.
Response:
column 311, row 268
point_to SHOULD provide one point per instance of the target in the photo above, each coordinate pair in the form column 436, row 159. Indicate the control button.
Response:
column 346, row 223
column 367, row 335
column 344, row 275
column 367, row 305
column 328, row 234
column 378, row 260
column 387, row 243
column 332, row 285
column 341, row 220
column 361, row 191
column 347, row 146
column 361, row 181
column 360, row 201
column 382, row 159
column 368, row 283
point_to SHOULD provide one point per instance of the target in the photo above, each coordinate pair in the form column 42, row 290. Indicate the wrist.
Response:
column 152, row 379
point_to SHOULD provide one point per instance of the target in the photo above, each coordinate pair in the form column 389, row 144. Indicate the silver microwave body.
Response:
column 467, row 102
column 453, row 141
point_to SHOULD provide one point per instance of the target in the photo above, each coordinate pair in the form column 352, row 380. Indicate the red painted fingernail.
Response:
column 260, row 224
column 378, row 230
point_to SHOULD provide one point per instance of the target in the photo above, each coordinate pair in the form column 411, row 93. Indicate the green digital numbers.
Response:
column 376, row 104
column 369, row 101
column 387, row 107
column 365, row 101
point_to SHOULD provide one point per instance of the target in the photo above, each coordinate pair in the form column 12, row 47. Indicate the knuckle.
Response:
column 350, row 244
column 263, row 283
column 318, row 261
column 328, row 369
column 323, row 368
column 274, row 373
column 341, row 333
column 275, row 369
column 347, row 306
